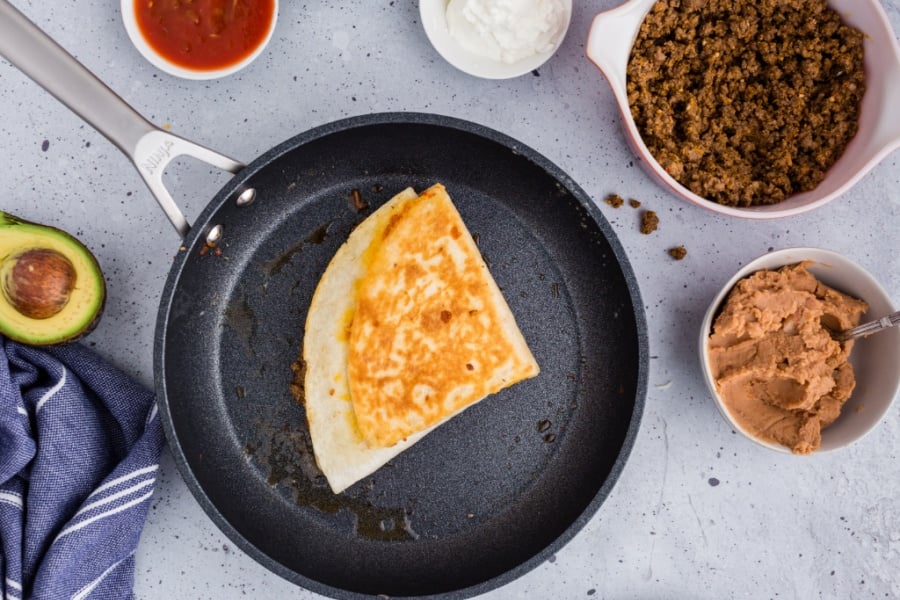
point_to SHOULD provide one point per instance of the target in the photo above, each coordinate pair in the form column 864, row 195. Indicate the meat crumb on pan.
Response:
column 649, row 221
column 678, row 252
column 746, row 102
column 358, row 203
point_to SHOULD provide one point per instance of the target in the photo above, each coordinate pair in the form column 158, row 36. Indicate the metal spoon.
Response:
column 868, row 328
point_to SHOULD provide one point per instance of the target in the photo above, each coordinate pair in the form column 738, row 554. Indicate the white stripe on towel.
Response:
column 51, row 391
column 123, row 478
column 12, row 498
column 22, row 410
column 115, row 496
column 14, row 584
column 83, row 592
column 152, row 414
column 109, row 513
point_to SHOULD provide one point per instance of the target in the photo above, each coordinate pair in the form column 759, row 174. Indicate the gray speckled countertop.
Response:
column 699, row 511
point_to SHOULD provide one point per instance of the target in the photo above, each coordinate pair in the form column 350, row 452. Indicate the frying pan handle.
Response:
column 155, row 150
column 148, row 147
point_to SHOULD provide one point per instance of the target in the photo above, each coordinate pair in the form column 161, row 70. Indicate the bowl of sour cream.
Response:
column 496, row 39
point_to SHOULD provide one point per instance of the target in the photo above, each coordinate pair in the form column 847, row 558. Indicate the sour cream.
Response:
column 507, row 30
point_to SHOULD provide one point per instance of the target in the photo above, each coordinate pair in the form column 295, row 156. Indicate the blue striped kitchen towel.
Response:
column 79, row 450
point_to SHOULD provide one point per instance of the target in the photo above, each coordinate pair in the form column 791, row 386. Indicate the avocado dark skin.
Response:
column 52, row 289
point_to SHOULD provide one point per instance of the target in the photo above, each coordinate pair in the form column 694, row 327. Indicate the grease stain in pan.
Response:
column 274, row 266
column 290, row 460
column 239, row 316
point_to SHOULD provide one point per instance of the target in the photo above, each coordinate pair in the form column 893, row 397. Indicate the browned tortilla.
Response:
column 432, row 333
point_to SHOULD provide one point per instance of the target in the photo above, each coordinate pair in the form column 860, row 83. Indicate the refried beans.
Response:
column 777, row 369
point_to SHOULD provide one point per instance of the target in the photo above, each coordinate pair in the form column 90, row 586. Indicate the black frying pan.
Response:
column 485, row 497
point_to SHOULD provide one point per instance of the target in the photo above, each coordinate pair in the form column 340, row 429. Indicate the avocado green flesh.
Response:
column 85, row 303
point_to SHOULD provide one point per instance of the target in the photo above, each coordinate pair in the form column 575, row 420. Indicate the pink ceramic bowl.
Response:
column 609, row 45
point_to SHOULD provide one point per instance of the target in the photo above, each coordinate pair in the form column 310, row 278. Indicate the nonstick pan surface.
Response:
column 485, row 497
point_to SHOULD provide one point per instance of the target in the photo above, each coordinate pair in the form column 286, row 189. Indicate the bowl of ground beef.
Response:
column 753, row 108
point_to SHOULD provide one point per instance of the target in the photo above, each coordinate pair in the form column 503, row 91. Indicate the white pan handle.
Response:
column 149, row 148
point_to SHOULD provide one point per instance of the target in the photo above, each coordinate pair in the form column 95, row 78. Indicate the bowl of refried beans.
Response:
column 774, row 364
column 753, row 108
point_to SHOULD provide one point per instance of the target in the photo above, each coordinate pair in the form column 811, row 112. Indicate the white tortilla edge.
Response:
column 340, row 451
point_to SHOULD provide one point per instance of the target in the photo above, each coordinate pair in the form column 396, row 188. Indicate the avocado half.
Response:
column 51, row 287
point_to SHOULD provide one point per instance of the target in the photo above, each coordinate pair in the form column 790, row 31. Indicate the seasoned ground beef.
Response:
column 746, row 102
column 649, row 221
column 614, row 200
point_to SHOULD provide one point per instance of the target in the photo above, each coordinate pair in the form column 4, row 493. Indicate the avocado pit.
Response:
column 38, row 282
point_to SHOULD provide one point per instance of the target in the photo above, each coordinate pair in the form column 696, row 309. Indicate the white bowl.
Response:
column 875, row 359
column 609, row 45
column 161, row 62
column 434, row 19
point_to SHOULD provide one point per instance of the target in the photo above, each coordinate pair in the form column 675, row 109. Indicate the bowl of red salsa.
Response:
column 200, row 39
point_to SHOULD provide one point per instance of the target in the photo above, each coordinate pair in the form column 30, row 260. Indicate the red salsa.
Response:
column 204, row 35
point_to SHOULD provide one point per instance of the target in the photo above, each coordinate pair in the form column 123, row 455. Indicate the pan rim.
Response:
column 226, row 194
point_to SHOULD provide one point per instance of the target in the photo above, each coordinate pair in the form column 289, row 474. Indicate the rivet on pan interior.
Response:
column 247, row 197
column 214, row 236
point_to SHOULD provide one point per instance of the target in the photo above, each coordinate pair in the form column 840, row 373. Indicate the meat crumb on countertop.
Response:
column 634, row 203
column 678, row 252
column 614, row 200
column 649, row 221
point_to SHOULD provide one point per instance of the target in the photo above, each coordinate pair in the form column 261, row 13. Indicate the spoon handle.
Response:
column 870, row 327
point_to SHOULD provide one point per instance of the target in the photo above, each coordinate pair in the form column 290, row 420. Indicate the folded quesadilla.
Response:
column 406, row 329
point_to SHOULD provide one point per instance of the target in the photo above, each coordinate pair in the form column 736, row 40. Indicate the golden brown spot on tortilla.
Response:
column 395, row 218
column 346, row 322
column 414, row 272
